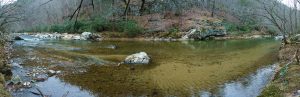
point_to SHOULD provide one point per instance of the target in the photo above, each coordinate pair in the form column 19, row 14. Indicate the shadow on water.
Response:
column 176, row 68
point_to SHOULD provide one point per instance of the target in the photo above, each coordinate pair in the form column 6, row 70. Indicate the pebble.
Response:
column 27, row 84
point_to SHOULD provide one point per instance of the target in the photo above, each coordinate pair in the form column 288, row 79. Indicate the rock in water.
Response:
column 187, row 36
column 26, row 38
column 76, row 37
column 66, row 36
column 51, row 72
column 18, row 38
column 86, row 35
column 138, row 58
column 16, row 79
column 27, row 84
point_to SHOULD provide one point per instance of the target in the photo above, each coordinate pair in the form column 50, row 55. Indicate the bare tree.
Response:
column 272, row 12
column 9, row 13
column 142, row 9
column 213, row 8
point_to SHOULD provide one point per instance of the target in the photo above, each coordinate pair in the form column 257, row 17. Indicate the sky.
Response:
column 4, row 2
column 290, row 3
column 286, row 2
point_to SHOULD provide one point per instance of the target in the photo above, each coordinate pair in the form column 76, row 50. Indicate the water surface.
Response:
column 182, row 68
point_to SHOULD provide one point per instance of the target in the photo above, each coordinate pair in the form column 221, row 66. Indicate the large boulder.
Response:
column 206, row 33
column 138, row 58
column 206, row 28
column 86, row 35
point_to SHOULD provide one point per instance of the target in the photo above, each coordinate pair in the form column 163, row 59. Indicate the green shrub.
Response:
column 230, row 27
column 69, row 26
column 272, row 91
column 100, row 24
column 239, row 28
column 129, row 27
column 57, row 28
column 174, row 30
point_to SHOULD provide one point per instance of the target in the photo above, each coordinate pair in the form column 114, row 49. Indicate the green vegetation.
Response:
column 3, row 92
column 237, row 29
column 272, row 91
column 129, row 27
column 174, row 30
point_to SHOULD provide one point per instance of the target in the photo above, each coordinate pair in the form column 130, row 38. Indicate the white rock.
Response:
column 27, row 84
column 86, row 35
column 76, row 37
column 279, row 37
column 51, row 72
column 138, row 58
column 191, row 32
column 58, row 72
column 67, row 37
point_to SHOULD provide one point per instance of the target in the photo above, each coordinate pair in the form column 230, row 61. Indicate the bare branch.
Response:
column 46, row 2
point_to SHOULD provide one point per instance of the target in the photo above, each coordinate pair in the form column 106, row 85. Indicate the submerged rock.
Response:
column 138, row 58
column 110, row 47
column 39, row 79
column 16, row 79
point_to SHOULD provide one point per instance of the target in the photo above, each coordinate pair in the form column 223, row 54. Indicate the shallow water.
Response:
column 250, row 86
column 177, row 68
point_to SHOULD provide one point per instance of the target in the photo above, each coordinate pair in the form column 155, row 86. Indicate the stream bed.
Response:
column 231, row 68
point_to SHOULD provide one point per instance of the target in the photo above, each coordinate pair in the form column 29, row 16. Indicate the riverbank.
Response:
column 116, row 36
column 3, row 59
column 286, row 82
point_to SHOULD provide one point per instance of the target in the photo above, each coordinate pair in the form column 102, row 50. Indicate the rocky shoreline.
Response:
column 99, row 37
column 5, row 52
column 56, row 36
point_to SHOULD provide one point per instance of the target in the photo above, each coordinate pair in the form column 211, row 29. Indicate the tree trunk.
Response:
column 127, row 7
column 142, row 7
column 213, row 8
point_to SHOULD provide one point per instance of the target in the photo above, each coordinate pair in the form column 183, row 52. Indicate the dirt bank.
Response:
column 5, row 70
column 286, row 82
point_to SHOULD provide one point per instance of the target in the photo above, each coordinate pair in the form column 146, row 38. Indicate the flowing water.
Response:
column 228, row 68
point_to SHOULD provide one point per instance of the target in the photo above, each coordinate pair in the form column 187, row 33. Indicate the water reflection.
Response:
column 248, row 87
